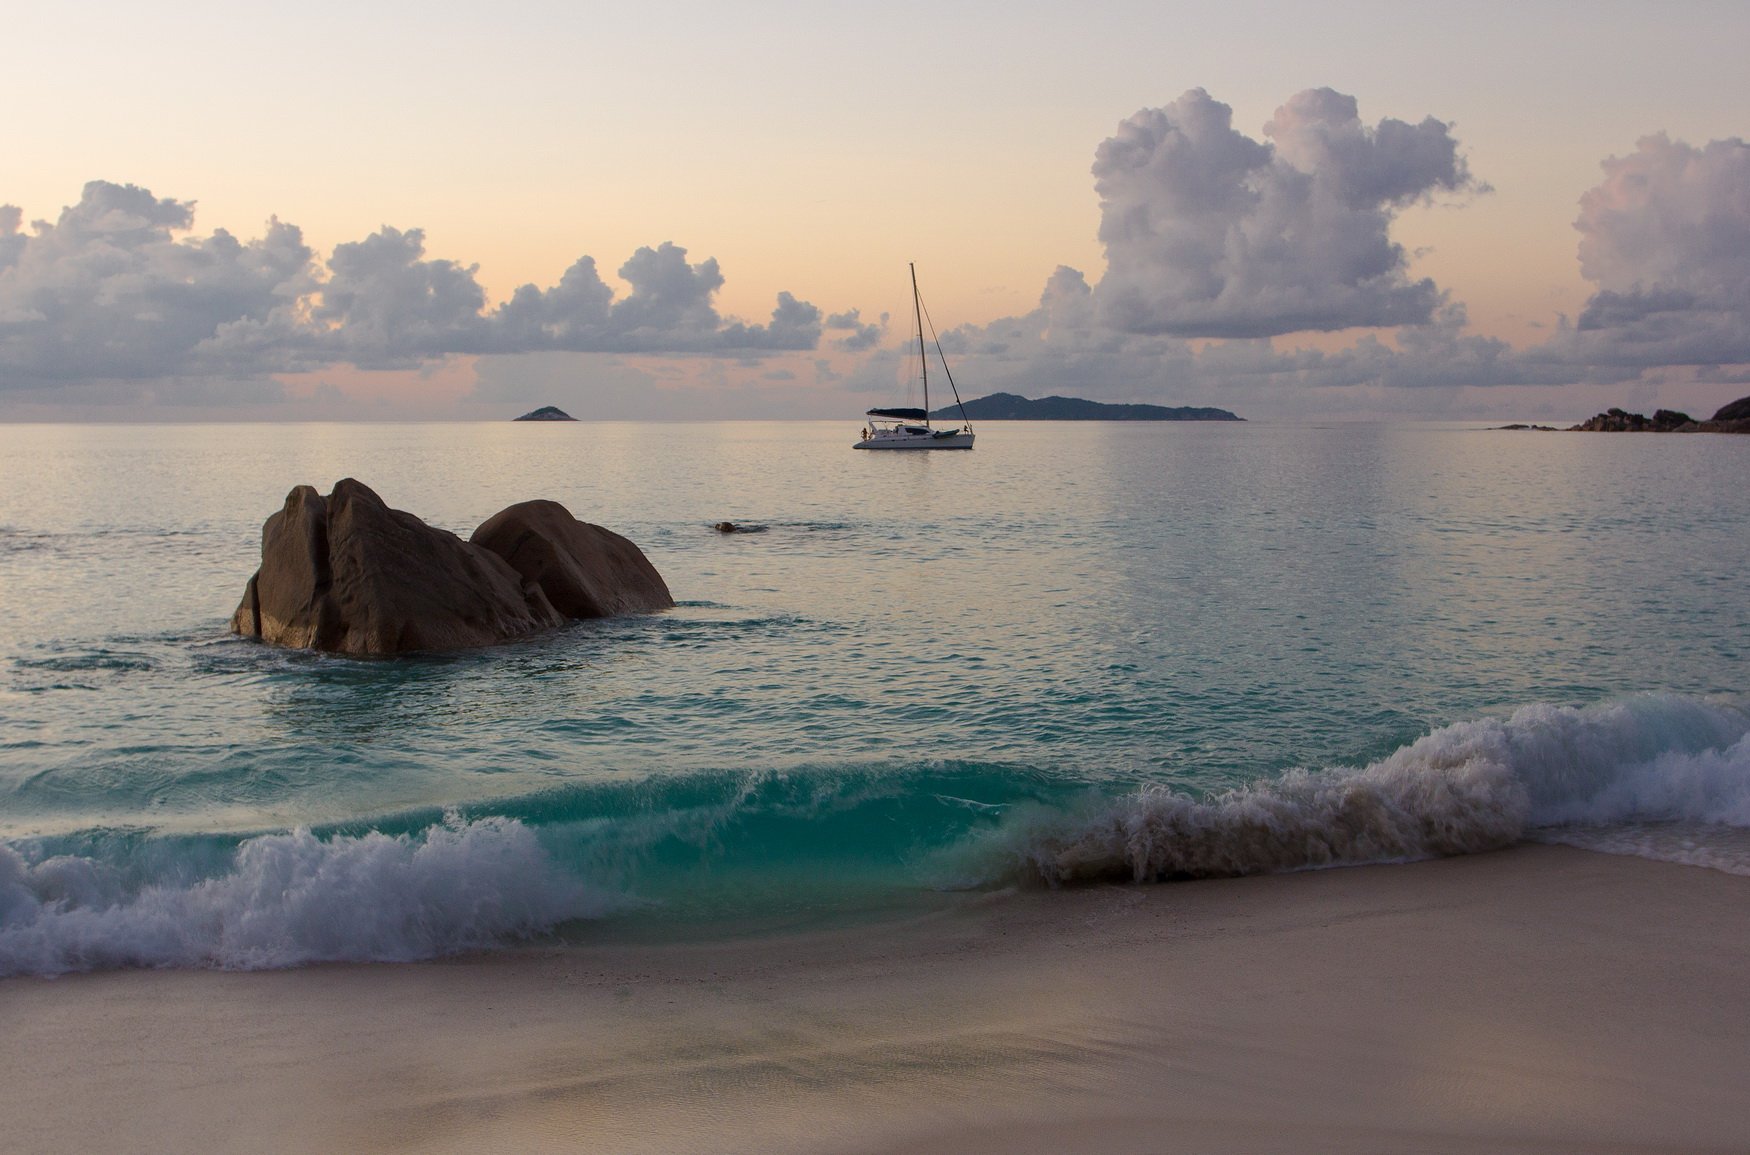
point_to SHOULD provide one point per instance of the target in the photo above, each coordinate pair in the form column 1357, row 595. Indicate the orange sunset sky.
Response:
column 329, row 210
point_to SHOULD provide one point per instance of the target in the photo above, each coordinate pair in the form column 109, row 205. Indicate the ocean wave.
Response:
column 293, row 898
column 1469, row 787
column 1658, row 776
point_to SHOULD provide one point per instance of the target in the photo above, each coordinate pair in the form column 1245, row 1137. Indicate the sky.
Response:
column 382, row 211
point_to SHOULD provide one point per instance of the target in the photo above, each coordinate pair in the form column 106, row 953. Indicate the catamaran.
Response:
column 911, row 428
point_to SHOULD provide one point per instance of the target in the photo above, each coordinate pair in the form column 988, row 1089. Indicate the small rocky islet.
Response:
column 1731, row 418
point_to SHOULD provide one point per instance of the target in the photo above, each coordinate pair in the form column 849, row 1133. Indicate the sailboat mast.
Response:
column 923, row 358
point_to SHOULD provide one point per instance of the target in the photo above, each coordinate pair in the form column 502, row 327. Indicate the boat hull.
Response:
column 952, row 441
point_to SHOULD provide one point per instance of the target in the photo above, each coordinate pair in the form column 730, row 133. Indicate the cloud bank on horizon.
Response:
column 110, row 291
column 1218, row 246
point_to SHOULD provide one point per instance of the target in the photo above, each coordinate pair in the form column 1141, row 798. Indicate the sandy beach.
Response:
column 1538, row 999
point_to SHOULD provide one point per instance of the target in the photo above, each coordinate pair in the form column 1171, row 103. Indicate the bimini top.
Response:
column 899, row 414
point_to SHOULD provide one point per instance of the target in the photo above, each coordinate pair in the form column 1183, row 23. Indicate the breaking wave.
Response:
column 1657, row 776
column 293, row 898
column 1547, row 771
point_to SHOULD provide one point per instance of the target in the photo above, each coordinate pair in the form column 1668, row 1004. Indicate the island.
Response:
column 1731, row 418
column 1012, row 407
column 546, row 413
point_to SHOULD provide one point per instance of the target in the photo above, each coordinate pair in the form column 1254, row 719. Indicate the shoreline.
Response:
column 1541, row 998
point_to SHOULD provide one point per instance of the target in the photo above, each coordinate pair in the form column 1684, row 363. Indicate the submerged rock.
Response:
column 347, row 574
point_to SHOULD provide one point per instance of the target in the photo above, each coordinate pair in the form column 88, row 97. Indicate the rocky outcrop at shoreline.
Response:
column 1732, row 418
column 347, row 574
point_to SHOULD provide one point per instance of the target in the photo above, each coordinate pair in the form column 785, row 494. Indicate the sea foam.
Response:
column 293, row 898
column 1546, row 771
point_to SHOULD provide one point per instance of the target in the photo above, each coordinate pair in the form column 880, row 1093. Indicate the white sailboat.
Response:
column 911, row 428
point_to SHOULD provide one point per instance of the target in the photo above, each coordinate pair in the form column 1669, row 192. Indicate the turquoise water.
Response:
column 1083, row 650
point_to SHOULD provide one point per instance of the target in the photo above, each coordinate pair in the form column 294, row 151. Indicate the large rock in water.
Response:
column 585, row 571
column 348, row 574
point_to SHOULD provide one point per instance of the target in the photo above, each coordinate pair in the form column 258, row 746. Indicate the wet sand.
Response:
column 1539, row 999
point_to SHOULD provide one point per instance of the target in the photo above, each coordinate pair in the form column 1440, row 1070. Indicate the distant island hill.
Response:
column 1010, row 407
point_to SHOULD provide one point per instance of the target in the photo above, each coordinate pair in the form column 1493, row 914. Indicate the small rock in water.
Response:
column 731, row 527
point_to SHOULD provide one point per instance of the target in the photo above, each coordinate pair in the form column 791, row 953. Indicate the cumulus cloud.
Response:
column 1666, row 238
column 1210, row 233
column 107, row 290
column 1673, row 216
column 572, row 313
column 795, row 325
column 669, row 310
column 858, row 334
column 384, row 305
column 1220, row 247
column 119, row 287
column 668, row 294
column 11, row 240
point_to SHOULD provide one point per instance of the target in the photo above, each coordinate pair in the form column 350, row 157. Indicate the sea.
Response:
column 1083, row 652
